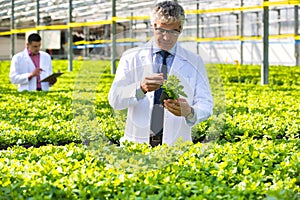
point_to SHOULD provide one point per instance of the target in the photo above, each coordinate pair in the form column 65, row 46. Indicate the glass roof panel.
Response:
column 100, row 9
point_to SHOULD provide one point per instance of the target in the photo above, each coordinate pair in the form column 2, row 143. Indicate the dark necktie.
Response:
column 157, row 119
column 164, row 68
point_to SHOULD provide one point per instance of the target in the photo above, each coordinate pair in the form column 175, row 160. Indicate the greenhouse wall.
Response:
column 222, row 32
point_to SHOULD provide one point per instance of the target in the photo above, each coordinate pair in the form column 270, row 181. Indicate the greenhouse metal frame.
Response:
column 235, row 31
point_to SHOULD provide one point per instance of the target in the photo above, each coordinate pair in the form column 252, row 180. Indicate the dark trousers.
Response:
column 155, row 140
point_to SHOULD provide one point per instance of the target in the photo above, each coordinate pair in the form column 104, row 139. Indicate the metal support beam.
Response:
column 258, row 22
column 241, row 24
column 297, row 42
column 12, row 26
column 86, row 38
column 279, row 23
column 265, row 66
column 70, row 38
column 113, row 38
column 131, row 28
column 198, row 32
column 107, row 35
column 219, row 32
column 37, row 13
column 202, row 27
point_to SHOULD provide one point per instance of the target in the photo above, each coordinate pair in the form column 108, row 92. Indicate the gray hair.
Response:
column 167, row 12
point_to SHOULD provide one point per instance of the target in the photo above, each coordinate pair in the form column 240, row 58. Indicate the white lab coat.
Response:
column 22, row 65
column 134, row 65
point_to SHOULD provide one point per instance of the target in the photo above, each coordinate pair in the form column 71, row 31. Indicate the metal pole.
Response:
column 12, row 26
column 131, row 28
column 113, row 38
column 242, row 33
column 297, row 42
column 86, row 36
column 219, row 26
column 257, row 24
column 37, row 13
column 70, row 39
column 265, row 66
column 106, row 48
column 198, row 24
column 279, row 23
column 202, row 28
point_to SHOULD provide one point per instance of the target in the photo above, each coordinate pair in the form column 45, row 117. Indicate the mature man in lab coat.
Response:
column 139, row 75
column 30, row 66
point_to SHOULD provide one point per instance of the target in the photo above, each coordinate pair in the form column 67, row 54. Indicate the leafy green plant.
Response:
column 255, row 157
column 172, row 88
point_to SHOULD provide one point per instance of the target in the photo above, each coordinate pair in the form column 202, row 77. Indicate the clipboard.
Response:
column 54, row 75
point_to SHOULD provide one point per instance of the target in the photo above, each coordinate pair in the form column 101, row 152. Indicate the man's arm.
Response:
column 15, row 75
column 122, row 93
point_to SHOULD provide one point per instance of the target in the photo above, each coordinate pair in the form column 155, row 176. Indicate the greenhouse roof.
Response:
column 94, row 10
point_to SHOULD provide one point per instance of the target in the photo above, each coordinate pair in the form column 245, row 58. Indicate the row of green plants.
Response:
column 249, row 169
column 64, row 144
column 241, row 108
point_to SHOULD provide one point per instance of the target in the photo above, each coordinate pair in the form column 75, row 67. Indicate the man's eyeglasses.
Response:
column 174, row 33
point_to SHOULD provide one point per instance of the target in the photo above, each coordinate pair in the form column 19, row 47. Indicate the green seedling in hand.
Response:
column 172, row 89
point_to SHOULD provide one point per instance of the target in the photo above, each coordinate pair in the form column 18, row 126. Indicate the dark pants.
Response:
column 155, row 140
